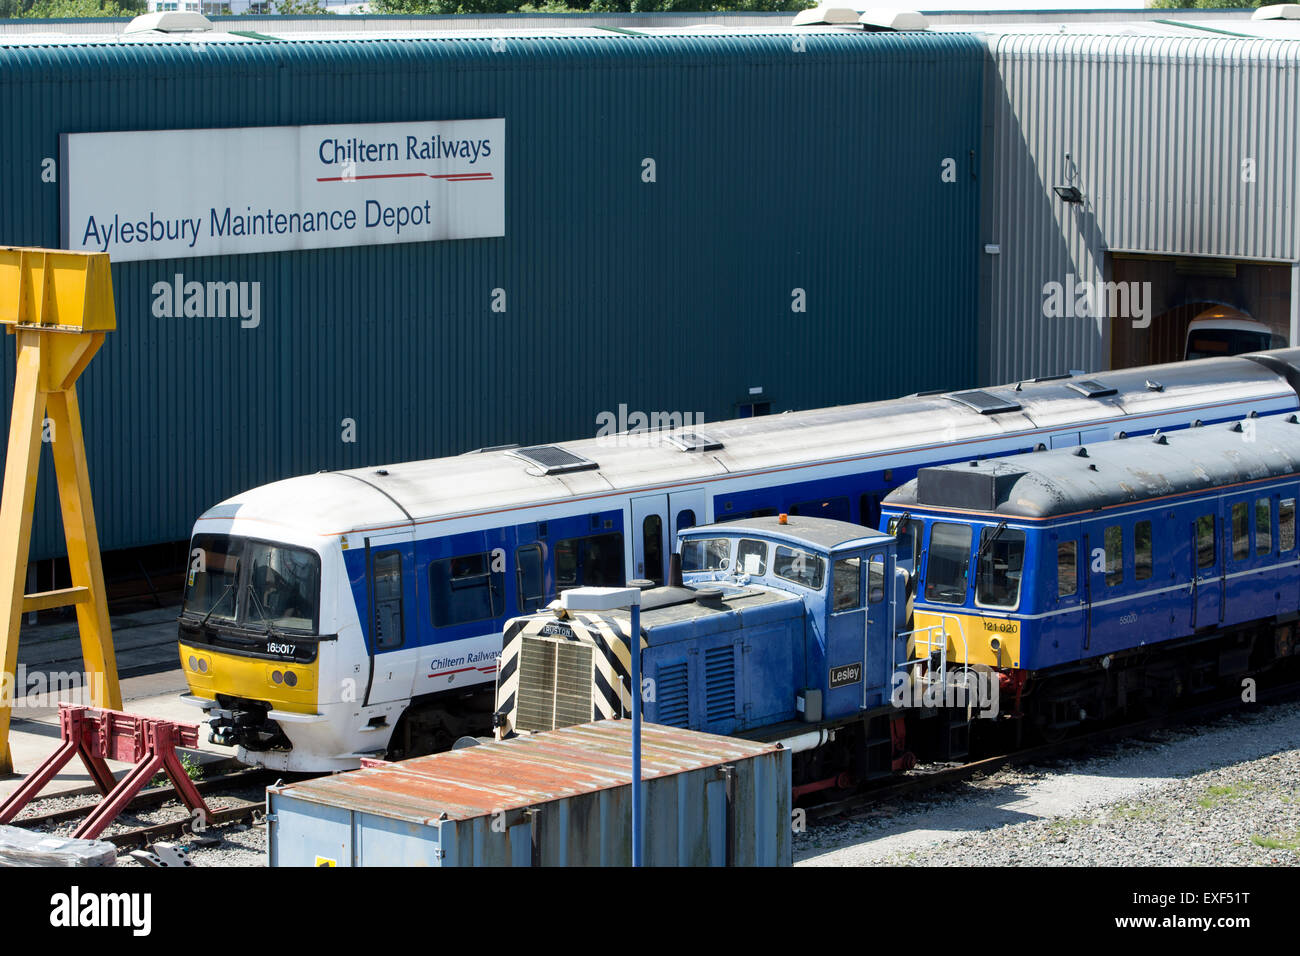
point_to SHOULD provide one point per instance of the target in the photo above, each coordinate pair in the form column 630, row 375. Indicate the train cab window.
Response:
column 751, row 557
column 529, row 583
column 1114, row 542
column 212, row 579
column 1001, row 562
column 909, row 543
column 390, row 629
column 876, row 579
column 1067, row 569
column 848, row 584
column 945, row 569
column 1240, row 532
column 685, row 519
column 1205, row 546
column 1263, row 525
column 1286, row 525
column 596, row 561
column 799, row 566
column 465, row 589
column 281, row 588
column 1142, row 556
column 706, row 554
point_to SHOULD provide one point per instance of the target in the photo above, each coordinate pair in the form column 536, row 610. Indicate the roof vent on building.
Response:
column 986, row 403
column 170, row 21
column 887, row 18
column 693, row 441
column 552, row 460
column 1278, row 11
column 826, row 15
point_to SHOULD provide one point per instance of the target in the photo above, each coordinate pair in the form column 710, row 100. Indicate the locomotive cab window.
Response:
column 706, row 554
column 751, row 557
column 909, row 543
column 876, row 579
column 1001, row 564
column 799, row 566
column 465, row 589
column 847, row 591
column 949, row 559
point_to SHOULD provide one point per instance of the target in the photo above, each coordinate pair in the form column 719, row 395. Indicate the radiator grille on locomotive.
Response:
column 555, row 681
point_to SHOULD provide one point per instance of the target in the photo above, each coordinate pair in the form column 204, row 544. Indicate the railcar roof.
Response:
column 496, row 481
column 824, row 533
column 1068, row 481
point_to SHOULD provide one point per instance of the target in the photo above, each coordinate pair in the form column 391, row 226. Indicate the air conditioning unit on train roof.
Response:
column 1278, row 11
column 170, row 21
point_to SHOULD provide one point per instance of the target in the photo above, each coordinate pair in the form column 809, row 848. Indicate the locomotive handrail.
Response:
column 918, row 641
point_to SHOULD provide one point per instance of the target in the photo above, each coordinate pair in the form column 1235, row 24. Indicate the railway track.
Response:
column 924, row 778
column 156, row 797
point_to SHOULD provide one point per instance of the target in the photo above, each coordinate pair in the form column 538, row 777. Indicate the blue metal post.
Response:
column 637, row 807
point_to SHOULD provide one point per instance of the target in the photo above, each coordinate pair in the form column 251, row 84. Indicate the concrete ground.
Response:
column 50, row 670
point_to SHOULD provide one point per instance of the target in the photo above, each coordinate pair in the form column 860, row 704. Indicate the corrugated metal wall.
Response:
column 1157, row 130
column 777, row 170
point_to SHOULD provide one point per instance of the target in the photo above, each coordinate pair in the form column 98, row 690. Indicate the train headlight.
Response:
column 203, row 665
column 290, row 679
column 276, row 677
column 194, row 663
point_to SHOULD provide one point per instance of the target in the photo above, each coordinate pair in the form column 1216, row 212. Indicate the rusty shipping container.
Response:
column 561, row 798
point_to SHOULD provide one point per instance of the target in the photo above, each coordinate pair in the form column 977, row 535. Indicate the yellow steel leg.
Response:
column 83, row 547
column 16, row 508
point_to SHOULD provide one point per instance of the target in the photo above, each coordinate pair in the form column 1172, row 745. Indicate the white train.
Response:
column 345, row 614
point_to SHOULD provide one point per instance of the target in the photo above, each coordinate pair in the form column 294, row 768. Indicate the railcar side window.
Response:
column 1286, row 525
column 848, row 584
column 1263, row 525
column 1240, row 532
column 685, row 519
column 1205, row 546
column 837, row 508
column 529, row 583
column 596, row 561
column 751, row 557
column 799, row 566
column 1067, row 568
column 652, row 544
column 706, row 554
column 465, row 589
column 997, row 580
column 1142, row 550
column 945, row 569
column 1114, row 555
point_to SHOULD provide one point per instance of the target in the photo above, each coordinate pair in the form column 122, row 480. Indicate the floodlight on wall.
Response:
column 1069, row 194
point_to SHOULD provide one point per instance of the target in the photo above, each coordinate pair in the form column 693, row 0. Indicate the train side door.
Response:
column 391, row 586
column 656, row 519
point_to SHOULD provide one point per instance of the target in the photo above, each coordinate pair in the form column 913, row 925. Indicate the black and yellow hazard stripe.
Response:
column 611, row 673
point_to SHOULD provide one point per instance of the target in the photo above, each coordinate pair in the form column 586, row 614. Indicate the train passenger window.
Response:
column 799, row 566
column 1205, row 546
column 1114, row 555
column 1286, row 525
column 596, row 561
column 945, row 569
column 876, row 579
column 1067, row 568
column 1240, row 532
column 997, row 579
column 685, row 519
column 751, row 557
column 465, row 589
column 1142, row 550
column 847, row 592
column 652, row 548
column 837, row 508
column 1263, row 525
column 706, row 554
column 390, row 628
column 530, row 585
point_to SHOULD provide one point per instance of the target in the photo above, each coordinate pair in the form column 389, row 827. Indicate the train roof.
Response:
column 1067, row 482
column 823, row 533
column 501, row 480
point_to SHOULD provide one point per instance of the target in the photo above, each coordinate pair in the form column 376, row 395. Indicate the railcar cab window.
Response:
column 594, row 561
column 751, row 557
column 465, row 589
column 945, row 569
column 1001, row 563
column 799, row 566
column 252, row 584
column 847, row 590
column 706, row 554
column 909, row 542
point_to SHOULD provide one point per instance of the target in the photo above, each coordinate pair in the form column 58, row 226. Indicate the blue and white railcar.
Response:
column 341, row 614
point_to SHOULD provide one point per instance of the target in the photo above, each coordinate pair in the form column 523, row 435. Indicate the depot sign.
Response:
column 164, row 194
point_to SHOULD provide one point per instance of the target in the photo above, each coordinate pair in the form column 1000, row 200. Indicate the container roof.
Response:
column 525, row 771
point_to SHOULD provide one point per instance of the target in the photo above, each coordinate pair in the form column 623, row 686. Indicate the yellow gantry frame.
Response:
column 59, row 306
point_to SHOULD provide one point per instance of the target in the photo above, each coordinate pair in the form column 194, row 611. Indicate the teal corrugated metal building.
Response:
column 777, row 168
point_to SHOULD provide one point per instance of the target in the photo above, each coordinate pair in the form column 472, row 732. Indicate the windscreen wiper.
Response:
column 984, row 545
column 203, row 623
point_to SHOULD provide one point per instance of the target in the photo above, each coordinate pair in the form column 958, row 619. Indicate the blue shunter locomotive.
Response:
column 1048, row 588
